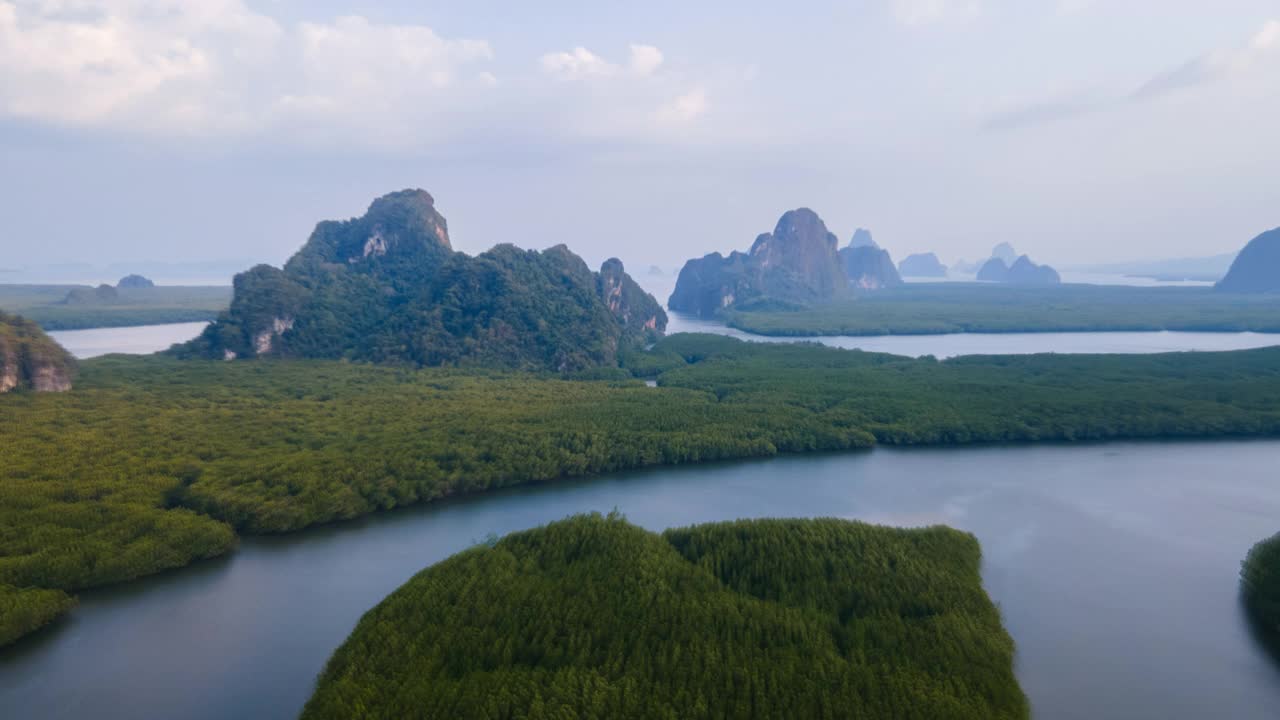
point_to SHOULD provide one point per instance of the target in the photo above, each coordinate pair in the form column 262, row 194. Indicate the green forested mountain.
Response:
column 1260, row 585
column 594, row 617
column 388, row 287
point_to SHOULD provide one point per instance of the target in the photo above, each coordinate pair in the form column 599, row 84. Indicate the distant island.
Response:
column 595, row 617
column 1257, row 268
column 388, row 287
column 30, row 360
column 1022, row 272
column 797, row 265
column 922, row 265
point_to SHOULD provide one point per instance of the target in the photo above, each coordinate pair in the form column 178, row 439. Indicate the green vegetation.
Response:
column 1260, row 585
column 24, row 610
column 926, row 308
column 594, row 617
column 388, row 288
column 155, row 462
column 76, row 307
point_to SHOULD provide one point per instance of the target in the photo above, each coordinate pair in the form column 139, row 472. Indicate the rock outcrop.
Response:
column 388, row 287
column 862, row 238
column 1005, row 253
column 30, row 359
column 922, row 265
column 1022, row 272
column 101, row 295
column 796, row 264
column 134, row 282
column 1257, row 268
column 867, row 265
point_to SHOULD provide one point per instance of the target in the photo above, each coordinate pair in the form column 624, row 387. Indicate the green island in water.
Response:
column 595, row 617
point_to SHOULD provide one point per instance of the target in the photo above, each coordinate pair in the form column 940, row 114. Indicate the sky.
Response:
column 223, row 130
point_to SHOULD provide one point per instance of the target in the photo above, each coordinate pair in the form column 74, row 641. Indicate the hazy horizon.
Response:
column 221, row 131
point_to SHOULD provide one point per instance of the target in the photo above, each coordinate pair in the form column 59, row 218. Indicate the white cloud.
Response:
column 924, row 12
column 684, row 108
column 577, row 63
column 645, row 59
column 215, row 66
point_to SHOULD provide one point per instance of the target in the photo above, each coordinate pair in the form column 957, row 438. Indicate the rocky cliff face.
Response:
column 796, row 263
column 30, row 359
column 922, row 265
column 388, row 287
column 1257, row 268
column 862, row 238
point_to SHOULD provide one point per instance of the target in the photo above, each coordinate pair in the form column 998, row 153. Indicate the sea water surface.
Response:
column 1115, row 567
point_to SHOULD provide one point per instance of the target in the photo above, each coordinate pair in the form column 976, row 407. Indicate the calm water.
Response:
column 153, row 338
column 951, row 345
column 1115, row 566
column 137, row 340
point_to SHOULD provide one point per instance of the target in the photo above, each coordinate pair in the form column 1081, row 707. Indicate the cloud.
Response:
column 577, row 63
column 684, row 108
column 1220, row 64
column 645, row 59
column 581, row 63
column 1263, row 47
column 215, row 67
column 924, row 12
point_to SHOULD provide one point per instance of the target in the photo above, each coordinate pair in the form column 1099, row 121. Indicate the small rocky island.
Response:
column 30, row 359
column 868, row 266
column 795, row 266
column 922, row 265
column 1257, row 268
column 135, row 282
column 1022, row 272
column 388, row 287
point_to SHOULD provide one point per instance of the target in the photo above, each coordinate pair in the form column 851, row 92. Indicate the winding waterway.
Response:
column 154, row 338
column 1115, row 567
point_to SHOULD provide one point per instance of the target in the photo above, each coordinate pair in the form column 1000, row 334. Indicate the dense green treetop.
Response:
column 594, row 617
column 387, row 287
column 1260, row 585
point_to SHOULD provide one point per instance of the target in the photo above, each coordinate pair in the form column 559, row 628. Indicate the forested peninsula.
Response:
column 594, row 617
column 933, row 308
column 152, row 463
